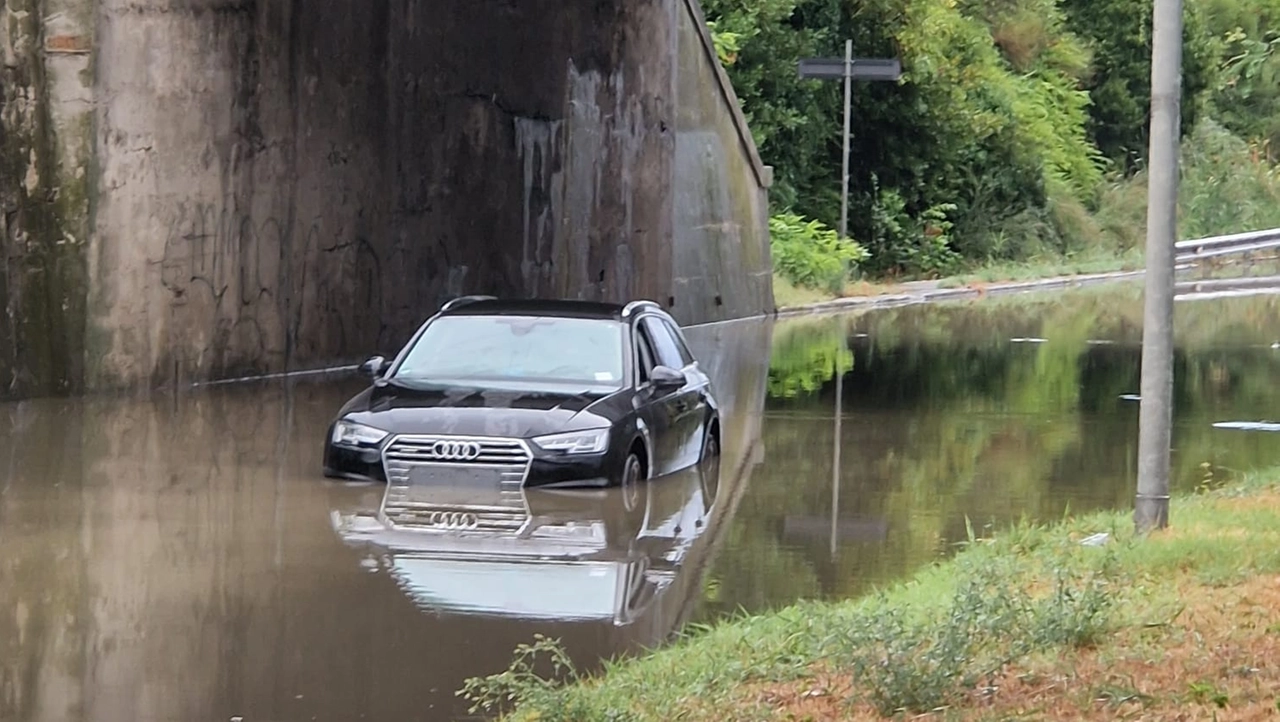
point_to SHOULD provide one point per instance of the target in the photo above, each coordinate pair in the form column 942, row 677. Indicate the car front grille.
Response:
column 449, row 483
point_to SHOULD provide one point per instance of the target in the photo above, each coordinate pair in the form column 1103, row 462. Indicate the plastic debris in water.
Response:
column 1029, row 340
column 1248, row 425
column 1130, row 397
column 1096, row 540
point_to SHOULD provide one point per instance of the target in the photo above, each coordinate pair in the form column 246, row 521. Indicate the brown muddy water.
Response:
column 180, row 557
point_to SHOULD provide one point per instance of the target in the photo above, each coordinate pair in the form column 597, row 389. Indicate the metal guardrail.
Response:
column 1203, row 248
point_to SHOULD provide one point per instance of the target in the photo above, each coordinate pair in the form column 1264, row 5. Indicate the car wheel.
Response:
column 710, row 447
column 632, row 476
column 709, row 472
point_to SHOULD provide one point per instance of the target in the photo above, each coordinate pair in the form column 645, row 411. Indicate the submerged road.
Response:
column 180, row 557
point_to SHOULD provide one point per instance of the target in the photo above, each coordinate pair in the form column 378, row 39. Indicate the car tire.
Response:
column 709, row 473
column 632, row 475
column 710, row 446
column 625, row 513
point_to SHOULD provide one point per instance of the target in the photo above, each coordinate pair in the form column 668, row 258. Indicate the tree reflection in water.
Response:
column 991, row 411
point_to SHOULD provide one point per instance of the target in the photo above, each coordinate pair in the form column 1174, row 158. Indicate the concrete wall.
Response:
column 226, row 187
column 721, row 242
column 46, row 95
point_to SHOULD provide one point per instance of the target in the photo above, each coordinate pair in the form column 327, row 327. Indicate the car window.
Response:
column 665, row 349
column 685, row 354
column 644, row 356
column 518, row 347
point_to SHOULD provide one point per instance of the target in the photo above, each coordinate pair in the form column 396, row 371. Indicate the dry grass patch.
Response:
column 1219, row 659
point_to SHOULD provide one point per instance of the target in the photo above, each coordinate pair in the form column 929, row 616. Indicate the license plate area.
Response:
column 454, row 485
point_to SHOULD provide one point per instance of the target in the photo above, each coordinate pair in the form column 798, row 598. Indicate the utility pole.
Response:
column 849, row 69
column 844, row 156
column 1155, row 418
column 835, row 447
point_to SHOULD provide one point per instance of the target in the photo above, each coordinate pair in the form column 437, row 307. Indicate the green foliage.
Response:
column 811, row 255
column 1119, row 34
column 1225, row 187
column 979, row 132
column 1015, row 127
column 1246, row 96
column 918, row 245
column 727, row 43
column 805, row 357
column 521, row 683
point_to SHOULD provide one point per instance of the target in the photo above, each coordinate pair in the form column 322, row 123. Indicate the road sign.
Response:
column 859, row 68
column 849, row 69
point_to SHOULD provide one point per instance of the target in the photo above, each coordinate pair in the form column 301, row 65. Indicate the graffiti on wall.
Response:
column 265, row 292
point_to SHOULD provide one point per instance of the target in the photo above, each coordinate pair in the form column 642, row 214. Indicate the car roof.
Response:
column 538, row 307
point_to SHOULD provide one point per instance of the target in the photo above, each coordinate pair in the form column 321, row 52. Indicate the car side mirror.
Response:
column 375, row 366
column 665, row 377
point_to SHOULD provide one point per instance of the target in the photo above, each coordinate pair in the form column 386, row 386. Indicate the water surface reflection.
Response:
column 989, row 411
column 576, row 556
column 177, row 559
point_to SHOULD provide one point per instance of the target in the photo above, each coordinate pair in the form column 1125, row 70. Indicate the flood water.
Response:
column 181, row 558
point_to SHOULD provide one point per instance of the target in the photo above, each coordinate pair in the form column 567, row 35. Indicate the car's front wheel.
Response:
column 626, row 511
column 709, row 473
column 632, row 476
column 710, row 446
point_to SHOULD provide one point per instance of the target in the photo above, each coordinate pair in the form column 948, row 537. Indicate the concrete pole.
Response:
column 844, row 157
column 1151, row 508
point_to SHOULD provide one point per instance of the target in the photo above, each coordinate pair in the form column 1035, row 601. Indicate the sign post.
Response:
column 849, row 69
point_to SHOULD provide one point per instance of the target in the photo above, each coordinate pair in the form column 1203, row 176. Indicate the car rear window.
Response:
column 518, row 347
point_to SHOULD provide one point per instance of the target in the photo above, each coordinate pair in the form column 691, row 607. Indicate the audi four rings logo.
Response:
column 452, row 519
column 456, row 450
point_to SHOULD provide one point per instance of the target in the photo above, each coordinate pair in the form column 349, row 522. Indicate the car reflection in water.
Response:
column 564, row 555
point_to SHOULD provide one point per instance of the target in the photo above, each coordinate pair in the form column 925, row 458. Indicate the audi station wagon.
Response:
column 491, row 396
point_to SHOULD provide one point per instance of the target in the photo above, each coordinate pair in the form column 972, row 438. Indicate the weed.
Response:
column 521, row 684
column 1116, row 696
column 1203, row 691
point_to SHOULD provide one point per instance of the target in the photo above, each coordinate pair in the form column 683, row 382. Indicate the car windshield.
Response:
column 518, row 347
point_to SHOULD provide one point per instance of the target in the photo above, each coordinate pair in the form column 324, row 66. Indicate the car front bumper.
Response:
column 546, row 471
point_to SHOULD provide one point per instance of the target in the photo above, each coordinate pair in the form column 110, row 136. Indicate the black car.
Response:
column 490, row 396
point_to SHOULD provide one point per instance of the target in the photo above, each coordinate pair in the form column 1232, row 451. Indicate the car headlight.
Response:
column 349, row 433
column 592, row 441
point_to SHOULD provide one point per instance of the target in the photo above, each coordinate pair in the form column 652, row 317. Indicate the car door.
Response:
column 656, row 407
column 686, row 403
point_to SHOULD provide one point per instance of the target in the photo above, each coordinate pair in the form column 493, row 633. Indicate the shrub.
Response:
column 808, row 253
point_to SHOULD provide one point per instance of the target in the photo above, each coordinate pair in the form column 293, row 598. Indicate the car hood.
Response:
column 444, row 408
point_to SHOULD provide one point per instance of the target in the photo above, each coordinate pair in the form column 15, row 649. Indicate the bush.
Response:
column 917, row 245
column 809, row 254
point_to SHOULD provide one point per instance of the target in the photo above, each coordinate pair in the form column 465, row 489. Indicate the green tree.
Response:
column 975, row 137
column 1246, row 98
column 1119, row 34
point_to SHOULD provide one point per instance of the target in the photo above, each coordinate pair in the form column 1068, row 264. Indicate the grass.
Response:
column 788, row 295
column 1182, row 623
